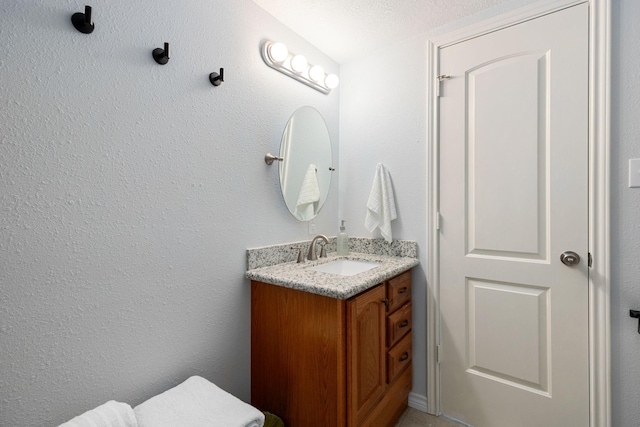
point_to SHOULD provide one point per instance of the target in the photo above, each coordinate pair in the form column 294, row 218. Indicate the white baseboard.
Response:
column 418, row 401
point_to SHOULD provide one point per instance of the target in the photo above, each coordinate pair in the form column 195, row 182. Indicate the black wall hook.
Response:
column 161, row 55
column 82, row 21
column 217, row 79
column 636, row 315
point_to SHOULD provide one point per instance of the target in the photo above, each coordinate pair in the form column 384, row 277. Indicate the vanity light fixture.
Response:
column 277, row 56
column 299, row 63
column 278, row 52
column 317, row 73
column 332, row 81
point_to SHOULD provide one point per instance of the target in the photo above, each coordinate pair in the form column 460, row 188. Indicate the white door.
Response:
column 513, row 198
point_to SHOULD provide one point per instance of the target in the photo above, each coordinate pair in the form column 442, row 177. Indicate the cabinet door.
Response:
column 365, row 353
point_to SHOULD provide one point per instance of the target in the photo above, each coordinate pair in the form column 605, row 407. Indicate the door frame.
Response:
column 599, row 194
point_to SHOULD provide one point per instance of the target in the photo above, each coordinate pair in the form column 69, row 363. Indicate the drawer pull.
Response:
column 403, row 290
column 404, row 357
column 404, row 324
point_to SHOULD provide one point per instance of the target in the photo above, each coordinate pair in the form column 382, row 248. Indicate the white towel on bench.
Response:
column 110, row 414
column 197, row 403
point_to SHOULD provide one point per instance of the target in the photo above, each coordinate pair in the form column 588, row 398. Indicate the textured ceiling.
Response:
column 347, row 29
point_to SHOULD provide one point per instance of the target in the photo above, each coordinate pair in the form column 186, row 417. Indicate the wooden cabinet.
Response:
column 317, row 360
column 366, row 374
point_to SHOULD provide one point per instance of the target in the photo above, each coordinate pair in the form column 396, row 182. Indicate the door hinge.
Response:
column 440, row 78
column 438, row 218
column 589, row 260
column 438, row 354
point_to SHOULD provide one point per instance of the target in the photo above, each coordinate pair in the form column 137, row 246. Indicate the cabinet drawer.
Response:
column 398, row 358
column 398, row 324
column 399, row 291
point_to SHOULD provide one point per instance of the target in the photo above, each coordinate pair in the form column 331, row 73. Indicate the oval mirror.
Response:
column 305, row 171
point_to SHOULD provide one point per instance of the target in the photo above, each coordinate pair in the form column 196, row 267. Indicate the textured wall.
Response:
column 383, row 110
column 625, row 209
column 383, row 103
column 129, row 192
column 328, row 23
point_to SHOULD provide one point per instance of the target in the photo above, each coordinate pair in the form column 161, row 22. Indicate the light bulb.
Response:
column 316, row 73
column 332, row 81
column 299, row 63
column 278, row 52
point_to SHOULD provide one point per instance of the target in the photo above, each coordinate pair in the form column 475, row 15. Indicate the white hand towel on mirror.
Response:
column 197, row 403
column 110, row 414
column 309, row 194
column 381, row 206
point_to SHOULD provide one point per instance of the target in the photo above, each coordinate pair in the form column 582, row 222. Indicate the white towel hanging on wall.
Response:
column 381, row 206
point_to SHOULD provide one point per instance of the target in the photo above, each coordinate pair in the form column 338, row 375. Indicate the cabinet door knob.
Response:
column 385, row 302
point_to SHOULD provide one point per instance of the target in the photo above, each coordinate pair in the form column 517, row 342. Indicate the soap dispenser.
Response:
column 343, row 241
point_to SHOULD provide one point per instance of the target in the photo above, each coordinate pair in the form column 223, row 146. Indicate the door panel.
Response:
column 514, row 318
column 513, row 197
column 507, row 174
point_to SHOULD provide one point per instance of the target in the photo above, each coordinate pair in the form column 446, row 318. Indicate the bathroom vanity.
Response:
column 334, row 353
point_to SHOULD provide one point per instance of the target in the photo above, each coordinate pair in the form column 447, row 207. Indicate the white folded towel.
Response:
column 110, row 414
column 309, row 194
column 381, row 206
column 197, row 403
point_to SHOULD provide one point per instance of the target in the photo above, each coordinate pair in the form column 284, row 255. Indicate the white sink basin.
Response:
column 345, row 267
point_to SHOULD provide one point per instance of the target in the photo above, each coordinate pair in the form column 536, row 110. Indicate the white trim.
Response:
column 418, row 402
column 507, row 19
column 433, row 318
column 599, row 205
column 599, row 212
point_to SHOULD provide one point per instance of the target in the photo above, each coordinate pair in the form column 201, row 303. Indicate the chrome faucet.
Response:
column 312, row 256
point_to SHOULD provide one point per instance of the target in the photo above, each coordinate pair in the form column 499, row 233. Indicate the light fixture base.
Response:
column 285, row 68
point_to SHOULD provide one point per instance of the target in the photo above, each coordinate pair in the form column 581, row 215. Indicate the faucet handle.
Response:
column 300, row 255
column 323, row 250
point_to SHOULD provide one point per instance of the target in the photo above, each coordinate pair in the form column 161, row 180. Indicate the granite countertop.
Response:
column 299, row 276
